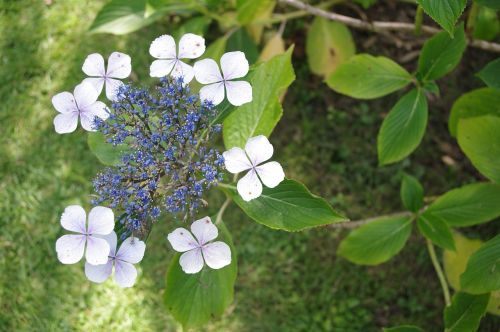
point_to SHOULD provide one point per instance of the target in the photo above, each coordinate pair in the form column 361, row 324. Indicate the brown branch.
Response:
column 380, row 26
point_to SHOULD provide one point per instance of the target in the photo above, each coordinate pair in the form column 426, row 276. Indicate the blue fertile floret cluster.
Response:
column 166, row 166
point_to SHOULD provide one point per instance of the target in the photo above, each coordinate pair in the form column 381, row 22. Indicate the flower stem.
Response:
column 419, row 17
column 439, row 272
column 221, row 210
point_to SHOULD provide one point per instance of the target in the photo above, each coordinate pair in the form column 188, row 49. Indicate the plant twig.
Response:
column 357, row 223
column 221, row 210
column 439, row 272
column 381, row 26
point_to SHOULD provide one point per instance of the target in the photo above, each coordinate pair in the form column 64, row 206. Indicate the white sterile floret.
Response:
column 257, row 150
column 119, row 67
column 191, row 46
column 234, row 65
column 198, row 250
column 81, row 103
column 131, row 252
column 71, row 247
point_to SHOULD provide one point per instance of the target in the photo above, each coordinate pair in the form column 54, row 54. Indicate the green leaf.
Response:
column 124, row 16
column 412, row 193
column 469, row 205
column 366, row 3
column 444, row 12
column 366, row 77
column 479, row 139
column 241, row 41
column 328, row 45
column 403, row 328
column 403, row 128
column 195, row 299
column 106, row 153
column 289, row 206
column 482, row 274
column 441, row 54
column 249, row 10
column 454, row 263
column 493, row 4
column 260, row 116
column 475, row 103
column 377, row 241
column 490, row 75
column 487, row 25
column 197, row 25
column 465, row 312
column 436, row 230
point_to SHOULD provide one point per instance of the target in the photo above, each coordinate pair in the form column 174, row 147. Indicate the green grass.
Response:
column 286, row 281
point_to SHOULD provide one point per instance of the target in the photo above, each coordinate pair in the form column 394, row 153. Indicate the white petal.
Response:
column 236, row 160
column 270, row 173
column 101, row 220
column 74, row 219
column 191, row 46
column 204, row 230
column 66, row 123
column 163, row 47
column 111, row 238
column 85, row 95
column 217, row 254
column 97, row 250
column 191, row 261
column 259, row 149
column 249, row 186
column 160, row 68
column 182, row 240
column 119, row 65
column 70, row 248
column 131, row 250
column 112, row 86
column 183, row 70
column 96, row 82
column 238, row 92
column 207, row 71
column 94, row 65
column 88, row 115
column 234, row 65
column 98, row 273
column 125, row 274
column 213, row 92
column 64, row 102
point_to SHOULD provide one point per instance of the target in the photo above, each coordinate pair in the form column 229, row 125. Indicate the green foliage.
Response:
column 482, row 274
column 412, row 193
column 197, row 25
column 487, row 25
column 377, row 241
column 328, row 45
column 366, row 3
column 444, row 12
column 403, row 128
column 466, row 206
column 485, row 101
column 106, row 153
column 366, row 77
column 493, row 4
column 122, row 16
column 436, row 230
column 490, row 75
column 479, row 139
column 249, row 9
column 290, row 207
column 403, row 328
column 241, row 41
column 465, row 312
column 441, row 53
column 195, row 299
column 261, row 115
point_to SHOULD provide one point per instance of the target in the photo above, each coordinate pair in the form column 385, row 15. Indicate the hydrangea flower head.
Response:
column 198, row 250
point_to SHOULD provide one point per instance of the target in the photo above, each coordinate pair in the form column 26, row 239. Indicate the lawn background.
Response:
column 286, row 281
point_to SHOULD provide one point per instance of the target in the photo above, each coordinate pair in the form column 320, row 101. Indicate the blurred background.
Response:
column 286, row 281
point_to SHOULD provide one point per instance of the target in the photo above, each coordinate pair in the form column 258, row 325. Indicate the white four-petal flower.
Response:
column 131, row 252
column 191, row 46
column 234, row 65
column 81, row 103
column 198, row 249
column 70, row 247
column 119, row 67
column 257, row 150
